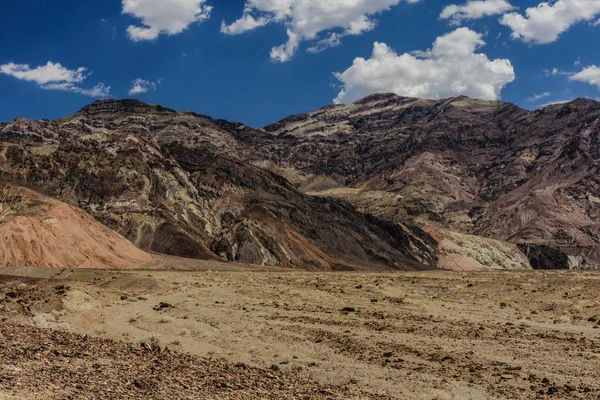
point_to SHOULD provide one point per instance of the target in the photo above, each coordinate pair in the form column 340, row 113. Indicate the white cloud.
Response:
column 589, row 75
column 139, row 86
column 286, row 51
column 334, row 39
column 246, row 23
column 100, row 90
column 555, row 71
column 539, row 96
column 168, row 17
column 474, row 9
column 51, row 72
column 449, row 69
column 308, row 19
column 545, row 22
column 53, row 76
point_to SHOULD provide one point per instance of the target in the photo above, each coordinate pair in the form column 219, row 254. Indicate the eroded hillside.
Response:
column 386, row 182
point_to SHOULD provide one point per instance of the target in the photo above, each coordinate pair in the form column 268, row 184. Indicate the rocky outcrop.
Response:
column 179, row 184
column 483, row 168
column 385, row 182
column 545, row 257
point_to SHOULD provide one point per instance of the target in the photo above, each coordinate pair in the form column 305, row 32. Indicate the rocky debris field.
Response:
column 45, row 364
column 243, row 335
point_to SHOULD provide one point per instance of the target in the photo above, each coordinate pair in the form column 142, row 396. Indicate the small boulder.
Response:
column 162, row 306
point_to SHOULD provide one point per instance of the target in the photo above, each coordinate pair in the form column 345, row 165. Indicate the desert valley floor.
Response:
column 224, row 332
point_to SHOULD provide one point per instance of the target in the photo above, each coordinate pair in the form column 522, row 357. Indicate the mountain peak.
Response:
column 584, row 101
column 376, row 97
column 124, row 106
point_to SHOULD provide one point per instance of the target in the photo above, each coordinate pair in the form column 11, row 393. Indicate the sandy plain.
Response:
column 429, row 335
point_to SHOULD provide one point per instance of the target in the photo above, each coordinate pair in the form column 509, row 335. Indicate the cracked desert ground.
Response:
column 429, row 335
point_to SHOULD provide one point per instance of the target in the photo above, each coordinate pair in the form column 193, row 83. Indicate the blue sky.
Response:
column 281, row 57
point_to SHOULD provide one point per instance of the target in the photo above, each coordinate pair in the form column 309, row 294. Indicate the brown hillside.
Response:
column 36, row 231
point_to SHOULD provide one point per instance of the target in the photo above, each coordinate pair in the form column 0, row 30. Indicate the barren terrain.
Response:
column 257, row 334
column 382, row 184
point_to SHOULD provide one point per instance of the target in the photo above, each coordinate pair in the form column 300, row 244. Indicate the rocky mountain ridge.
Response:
column 482, row 168
column 385, row 182
column 172, row 183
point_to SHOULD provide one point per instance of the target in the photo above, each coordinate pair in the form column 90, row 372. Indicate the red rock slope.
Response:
column 36, row 231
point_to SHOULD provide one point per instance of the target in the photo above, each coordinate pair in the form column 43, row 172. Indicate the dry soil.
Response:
column 430, row 335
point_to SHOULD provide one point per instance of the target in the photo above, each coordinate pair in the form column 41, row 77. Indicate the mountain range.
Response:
column 387, row 182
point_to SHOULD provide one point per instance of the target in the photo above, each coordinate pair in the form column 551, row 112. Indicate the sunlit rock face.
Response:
column 483, row 168
column 182, row 184
column 385, row 182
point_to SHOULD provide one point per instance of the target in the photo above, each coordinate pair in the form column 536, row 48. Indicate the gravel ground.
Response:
column 46, row 364
column 434, row 335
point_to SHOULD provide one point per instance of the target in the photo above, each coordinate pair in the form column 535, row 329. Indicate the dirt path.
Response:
column 435, row 335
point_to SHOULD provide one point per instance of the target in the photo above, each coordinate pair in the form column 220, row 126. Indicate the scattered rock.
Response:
column 570, row 388
column 162, row 306
column 141, row 385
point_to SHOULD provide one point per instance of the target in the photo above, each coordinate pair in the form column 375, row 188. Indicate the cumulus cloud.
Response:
column 539, row 96
column 474, row 9
column 168, row 17
column 545, row 22
column 450, row 68
column 589, row 75
column 308, row 19
column 51, row 72
column 54, row 76
column 139, row 86
column 246, row 23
